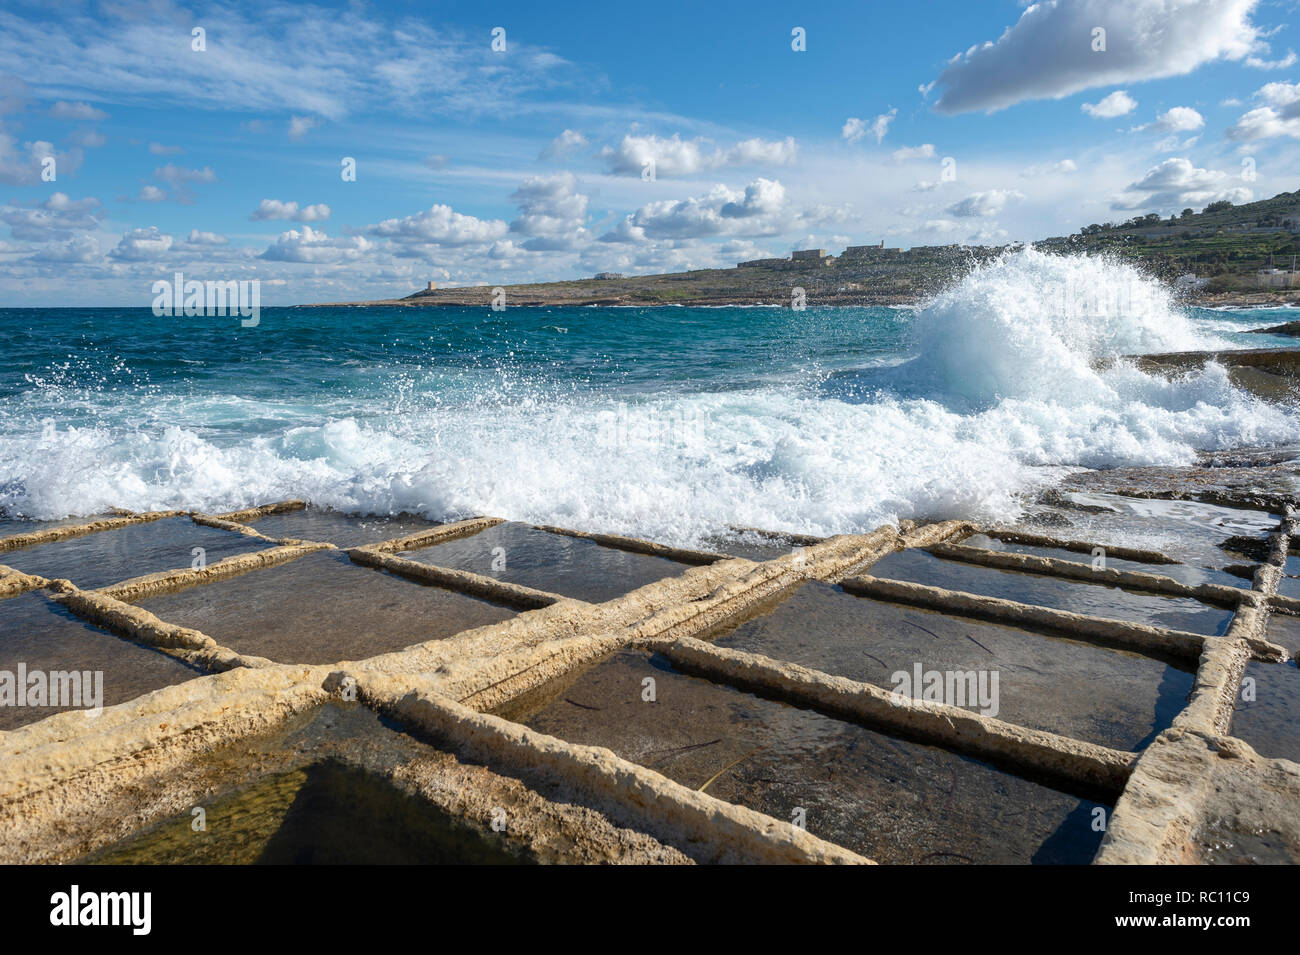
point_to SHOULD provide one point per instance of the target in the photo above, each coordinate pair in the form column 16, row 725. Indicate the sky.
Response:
column 348, row 151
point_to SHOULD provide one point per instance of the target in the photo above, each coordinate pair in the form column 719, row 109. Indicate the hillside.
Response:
column 1225, row 243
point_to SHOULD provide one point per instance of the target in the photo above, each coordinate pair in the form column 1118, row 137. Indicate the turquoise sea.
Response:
column 668, row 422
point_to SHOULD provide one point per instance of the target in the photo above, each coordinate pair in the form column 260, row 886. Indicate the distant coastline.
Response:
column 541, row 296
column 1226, row 256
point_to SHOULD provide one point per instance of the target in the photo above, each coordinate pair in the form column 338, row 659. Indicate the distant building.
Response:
column 609, row 275
column 813, row 254
column 433, row 287
column 1278, row 278
column 762, row 263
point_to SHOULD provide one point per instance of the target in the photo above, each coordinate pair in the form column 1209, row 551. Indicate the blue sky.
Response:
column 477, row 165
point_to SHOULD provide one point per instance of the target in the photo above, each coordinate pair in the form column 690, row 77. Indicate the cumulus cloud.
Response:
column 151, row 194
column 762, row 197
column 142, row 245
column 552, row 213
column 315, row 247
column 1179, row 119
column 1049, row 52
column 272, row 209
column 54, row 219
column 1280, row 116
column 1118, row 103
column 564, row 145
column 988, row 203
column 675, row 156
column 1176, row 183
column 757, row 210
column 435, row 227
column 855, row 130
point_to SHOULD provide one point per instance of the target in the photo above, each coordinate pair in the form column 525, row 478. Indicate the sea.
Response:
column 671, row 423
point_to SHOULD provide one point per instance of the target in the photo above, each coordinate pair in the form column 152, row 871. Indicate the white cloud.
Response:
column 855, row 130
column 924, row 151
column 762, row 197
column 762, row 152
column 988, row 203
column 675, row 156
column 1048, row 53
column 552, row 213
column 756, row 211
column 439, row 225
column 1279, row 117
column 142, row 245
column 1118, row 103
column 271, row 209
column 1176, row 183
column 315, row 247
column 57, row 217
column 1285, row 63
column 151, row 194
column 564, row 145
column 1179, row 119
column 158, row 149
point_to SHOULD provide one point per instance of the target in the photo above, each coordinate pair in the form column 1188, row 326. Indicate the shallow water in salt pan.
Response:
column 890, row 800
column 1098, row 600
column 111, row 556
column 557, row 563
column 322, row 608
column 44, row 635
column 1113, row 697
